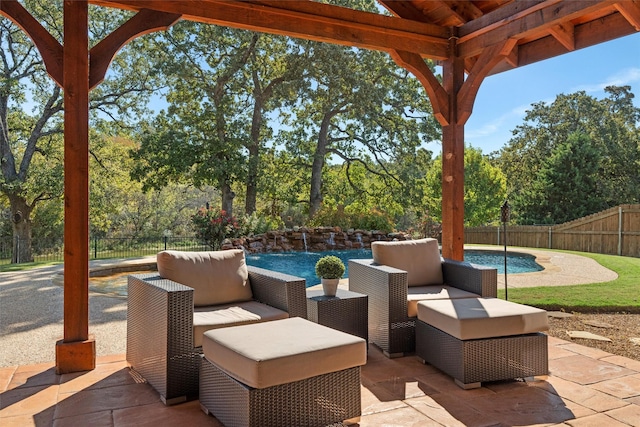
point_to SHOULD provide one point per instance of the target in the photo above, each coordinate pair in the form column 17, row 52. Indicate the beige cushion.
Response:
column 265, row 354
column 217, row 277
column 415, row 294
column 222, row 316
column 419, row 258
column 473, row 318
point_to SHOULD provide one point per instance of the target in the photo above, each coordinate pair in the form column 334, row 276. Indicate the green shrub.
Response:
column 330, row 267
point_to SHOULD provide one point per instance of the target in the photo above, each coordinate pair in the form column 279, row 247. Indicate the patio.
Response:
column 586, row 387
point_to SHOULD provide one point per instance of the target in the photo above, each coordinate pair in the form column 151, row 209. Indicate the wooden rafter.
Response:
column 537, row 18
column 564, row 33
column 631, row 12
column 308, row 20
column 50, row 49
column 438, row 96
column 143, row 22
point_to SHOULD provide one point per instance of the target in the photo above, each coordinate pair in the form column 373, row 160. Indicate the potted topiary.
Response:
column 330, row 269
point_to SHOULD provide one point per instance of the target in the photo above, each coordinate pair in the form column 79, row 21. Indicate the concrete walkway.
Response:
column 31, row 305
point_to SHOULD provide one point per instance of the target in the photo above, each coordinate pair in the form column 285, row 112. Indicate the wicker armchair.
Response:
column 391, row 327
column 160, row 326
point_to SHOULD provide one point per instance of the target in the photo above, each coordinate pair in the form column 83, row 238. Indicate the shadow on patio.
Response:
column 585, row 387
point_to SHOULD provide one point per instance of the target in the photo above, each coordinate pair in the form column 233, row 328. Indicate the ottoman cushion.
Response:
column 265, row 354
column 474, row 318
column 225, row 315
column 415, row 294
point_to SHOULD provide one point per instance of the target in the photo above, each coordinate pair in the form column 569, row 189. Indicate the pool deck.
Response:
column 586, row 387
column 31, row 305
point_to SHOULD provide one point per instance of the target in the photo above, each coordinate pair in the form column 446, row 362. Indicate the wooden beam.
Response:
column 50, row 49
column 439, row 98
column 489, row 58
column 76, row 352
column 308, row 20
column 527, row 23
column 631, row 12
column 403, row 9
column 564, row 33
column 598, row 31
column 144, row 22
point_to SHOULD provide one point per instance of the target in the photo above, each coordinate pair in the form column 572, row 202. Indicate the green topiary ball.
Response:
column 330, row 267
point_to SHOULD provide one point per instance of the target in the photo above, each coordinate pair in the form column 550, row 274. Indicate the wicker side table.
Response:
column 346, row 312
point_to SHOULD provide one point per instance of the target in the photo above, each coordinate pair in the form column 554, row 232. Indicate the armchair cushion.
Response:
column 419, row 258
column 217, row 277
column 235, row 314
column 415, row 294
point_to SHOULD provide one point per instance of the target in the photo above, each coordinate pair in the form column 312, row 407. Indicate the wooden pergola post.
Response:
column 453, row 162
column 77, row 350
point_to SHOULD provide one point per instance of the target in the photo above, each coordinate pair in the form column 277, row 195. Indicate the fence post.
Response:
column 498, row 229
column 165, row 242
column 619, row 230
column 550, row 242
column 95, row 248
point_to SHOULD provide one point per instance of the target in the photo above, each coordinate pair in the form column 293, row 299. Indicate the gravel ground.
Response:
column 621, row 329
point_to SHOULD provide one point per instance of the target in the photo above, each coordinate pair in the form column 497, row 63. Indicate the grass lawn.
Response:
column 617, row 296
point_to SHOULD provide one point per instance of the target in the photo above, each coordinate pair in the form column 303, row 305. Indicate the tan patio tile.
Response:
column 24, row 377
column 28, row 400
column 442, row 383
column 95, row 419
column 101, row 360
column 585, row 370
column 20, row 421
column 102, row 399
column 586, row 351
column 525, row 406
column 157, row 414
column 378, row 399
column 622, row 387
column 103, row 376
column 559, row 351
column 629, row 414
column 583, row 395
column 634, row 400
column 406, row 416
column 623, row 361
column 5, row 377
column 596, row 420
column 449, row 411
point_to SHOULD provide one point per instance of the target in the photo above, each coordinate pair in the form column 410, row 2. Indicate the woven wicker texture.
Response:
column 317, row 401
column 160, row 327
column 390, row 328
column 346, row 312
column 475, row 361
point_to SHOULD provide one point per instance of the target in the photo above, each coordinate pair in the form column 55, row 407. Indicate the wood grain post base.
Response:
column 75, row 356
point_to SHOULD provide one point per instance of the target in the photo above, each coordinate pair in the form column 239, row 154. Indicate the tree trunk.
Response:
column 227, row 198
column 315, row 195
column 21, row 219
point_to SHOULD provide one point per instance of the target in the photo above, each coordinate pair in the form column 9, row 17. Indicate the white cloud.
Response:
column 624, row 77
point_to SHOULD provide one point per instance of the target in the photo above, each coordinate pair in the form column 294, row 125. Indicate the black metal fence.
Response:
column 100, row 248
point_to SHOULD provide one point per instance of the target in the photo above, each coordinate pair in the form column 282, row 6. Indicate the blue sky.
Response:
column 503, row 98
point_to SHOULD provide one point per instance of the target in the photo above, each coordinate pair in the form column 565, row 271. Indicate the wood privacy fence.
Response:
column 615, row 231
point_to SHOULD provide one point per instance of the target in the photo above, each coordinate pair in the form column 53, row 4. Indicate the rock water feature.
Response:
column 309, row 239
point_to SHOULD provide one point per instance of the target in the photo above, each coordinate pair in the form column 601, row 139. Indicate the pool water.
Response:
column 302, row 264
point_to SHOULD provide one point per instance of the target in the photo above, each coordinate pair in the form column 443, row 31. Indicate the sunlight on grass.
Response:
column 620, row 295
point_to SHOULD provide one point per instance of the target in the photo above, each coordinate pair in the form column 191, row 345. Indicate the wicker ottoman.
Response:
column 289, row 372
column 482, row 339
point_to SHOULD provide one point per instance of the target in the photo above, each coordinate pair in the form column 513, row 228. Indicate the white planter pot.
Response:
column 330, row 286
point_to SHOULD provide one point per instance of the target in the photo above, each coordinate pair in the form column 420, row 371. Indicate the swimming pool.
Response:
column 302, row 264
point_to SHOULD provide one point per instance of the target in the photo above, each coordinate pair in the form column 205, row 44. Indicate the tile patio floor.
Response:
column 586, row 387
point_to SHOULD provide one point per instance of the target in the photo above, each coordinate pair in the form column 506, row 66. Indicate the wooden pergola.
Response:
column 470, row 39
